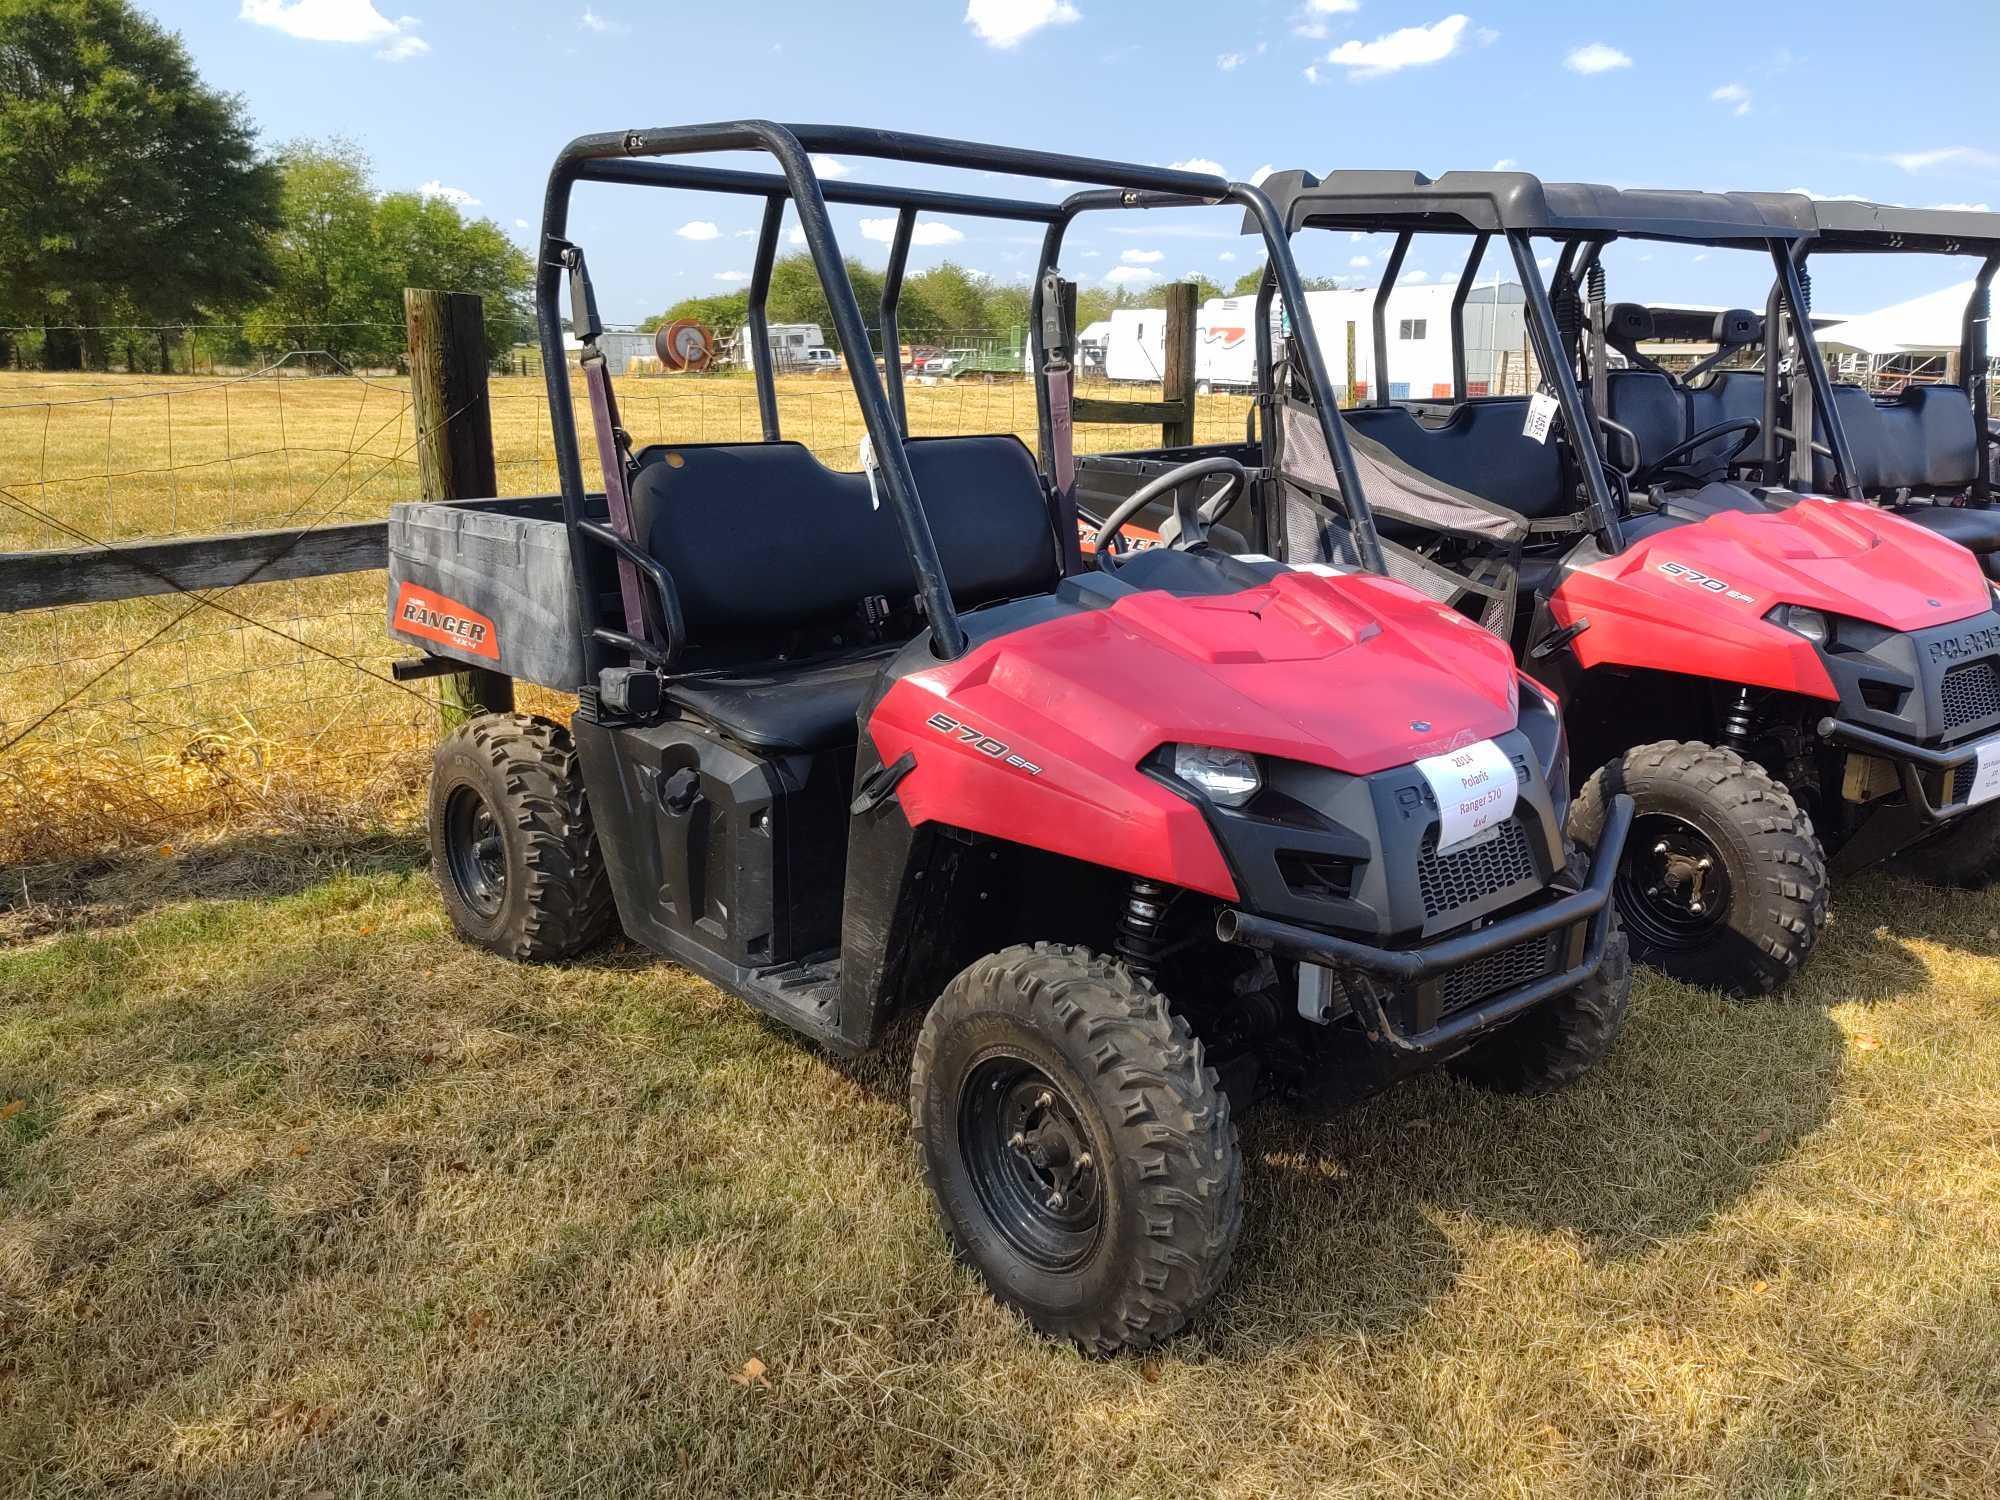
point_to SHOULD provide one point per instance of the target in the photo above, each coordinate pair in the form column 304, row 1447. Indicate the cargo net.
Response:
column 1483, row 584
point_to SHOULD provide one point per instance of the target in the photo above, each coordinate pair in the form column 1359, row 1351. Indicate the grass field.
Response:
column 275, row 711
column 301, row 1196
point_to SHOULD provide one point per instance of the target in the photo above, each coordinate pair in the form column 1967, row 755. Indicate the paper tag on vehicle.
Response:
column 1986, row 778
column 865, row 455
column 1541, row 413
column 1476, row 788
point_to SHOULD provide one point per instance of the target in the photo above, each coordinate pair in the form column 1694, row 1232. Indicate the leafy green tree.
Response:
column 344, row 253
column 127, row 187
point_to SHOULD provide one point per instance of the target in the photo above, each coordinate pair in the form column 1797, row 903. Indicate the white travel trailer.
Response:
column 1417, row 325
column 1417, row 322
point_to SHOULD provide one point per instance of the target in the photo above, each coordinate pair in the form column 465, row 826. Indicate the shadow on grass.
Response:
column 80, row 895
column 1890, row 907
column 1350, row 1217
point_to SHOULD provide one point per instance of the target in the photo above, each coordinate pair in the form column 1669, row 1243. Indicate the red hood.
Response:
column 1832, row 555
column 1036, row 736
column 1334, row 671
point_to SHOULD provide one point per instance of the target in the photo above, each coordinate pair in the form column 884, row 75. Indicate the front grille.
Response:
column 1971, row 692
column 1508, row 969
column 1449, row 881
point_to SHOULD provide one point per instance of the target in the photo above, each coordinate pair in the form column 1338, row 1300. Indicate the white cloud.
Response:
column 1411, row 47
column 1596, row 57
column 521, row 224
column 829, row 166
column 732, row 275
column 1200, row 164
column 1257, row 177
column 1805, row 192
column 1093, row 255
column 1486, row 36
column 1008, row 23
column 1312, row 31
column 923, row 232
column 1312, row 73
column 1546, row 262
column 1207, row 231
column 1734, row 94
column 1959, row 208
column 1701, row 257
column 1143, row 257
column 352, row 21
column 1227, row 255
column 698, row 229
column 590, row 20
column 1333, row 7
column 1505, row 164
column 1229, row 62
column 1121, row 275
column 742, row 234
column 1944, row 156
column 1356, row 262
column 456, row 197
column 1411, row 278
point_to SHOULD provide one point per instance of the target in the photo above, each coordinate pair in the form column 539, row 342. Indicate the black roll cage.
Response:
column 1845, row 227
column 628, row 158
column 1581, row 218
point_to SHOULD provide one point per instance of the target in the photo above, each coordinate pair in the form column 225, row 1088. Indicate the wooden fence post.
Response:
column 454, row 421
column 1177, row 379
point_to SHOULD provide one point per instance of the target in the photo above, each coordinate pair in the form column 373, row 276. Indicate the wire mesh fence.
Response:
column 271, row 706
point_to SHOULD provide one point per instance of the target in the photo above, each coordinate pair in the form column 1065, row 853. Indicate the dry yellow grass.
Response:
column 303, row 1196
column 275, row 712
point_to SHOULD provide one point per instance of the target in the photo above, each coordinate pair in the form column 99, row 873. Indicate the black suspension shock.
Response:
column 1595, row 282
column 1141, row 925
column 1739, row 721
column 1805, row 291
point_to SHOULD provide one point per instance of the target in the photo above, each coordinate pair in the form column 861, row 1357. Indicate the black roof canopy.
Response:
column 1500, row 202
column 1845, row 224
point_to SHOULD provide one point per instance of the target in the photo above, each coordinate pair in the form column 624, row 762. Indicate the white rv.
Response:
column 792, row 346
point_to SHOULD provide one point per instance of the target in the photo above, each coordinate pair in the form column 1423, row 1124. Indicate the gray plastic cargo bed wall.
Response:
column 487, row 583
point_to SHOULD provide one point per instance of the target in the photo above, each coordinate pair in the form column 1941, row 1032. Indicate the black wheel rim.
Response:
column 1673, row 886
column 1033, row 1162
column 474, row 851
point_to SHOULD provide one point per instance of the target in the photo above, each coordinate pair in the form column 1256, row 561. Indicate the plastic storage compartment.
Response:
column 488, row 583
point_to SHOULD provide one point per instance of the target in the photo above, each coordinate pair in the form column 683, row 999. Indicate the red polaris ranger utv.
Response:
column 1772, row 676
column 1141, row 839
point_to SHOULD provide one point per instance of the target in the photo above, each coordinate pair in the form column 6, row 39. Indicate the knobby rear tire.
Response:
column 555, row 897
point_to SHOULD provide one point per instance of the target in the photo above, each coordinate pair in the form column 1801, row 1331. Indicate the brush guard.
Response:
column 1372, row 978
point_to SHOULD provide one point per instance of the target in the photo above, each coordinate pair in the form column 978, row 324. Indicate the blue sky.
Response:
column 474, row 99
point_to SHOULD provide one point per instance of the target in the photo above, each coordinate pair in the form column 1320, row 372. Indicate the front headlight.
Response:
column 1796, row 618
column 1228, row 778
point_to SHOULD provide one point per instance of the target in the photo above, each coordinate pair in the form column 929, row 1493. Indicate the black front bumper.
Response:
column 1910, row 761
column 1584, row 917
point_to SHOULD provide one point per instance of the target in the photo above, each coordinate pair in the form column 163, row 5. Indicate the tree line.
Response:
column 140, row 222
column 946, row 301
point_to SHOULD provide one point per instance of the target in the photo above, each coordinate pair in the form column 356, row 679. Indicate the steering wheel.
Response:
column 1665, row 463
column 1194, row 517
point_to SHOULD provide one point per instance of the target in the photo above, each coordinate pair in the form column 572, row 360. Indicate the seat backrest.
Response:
column 1730, row 396
column 1652, row 406
column 1481, row 448
column 762, row 537
column 1919, row 439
